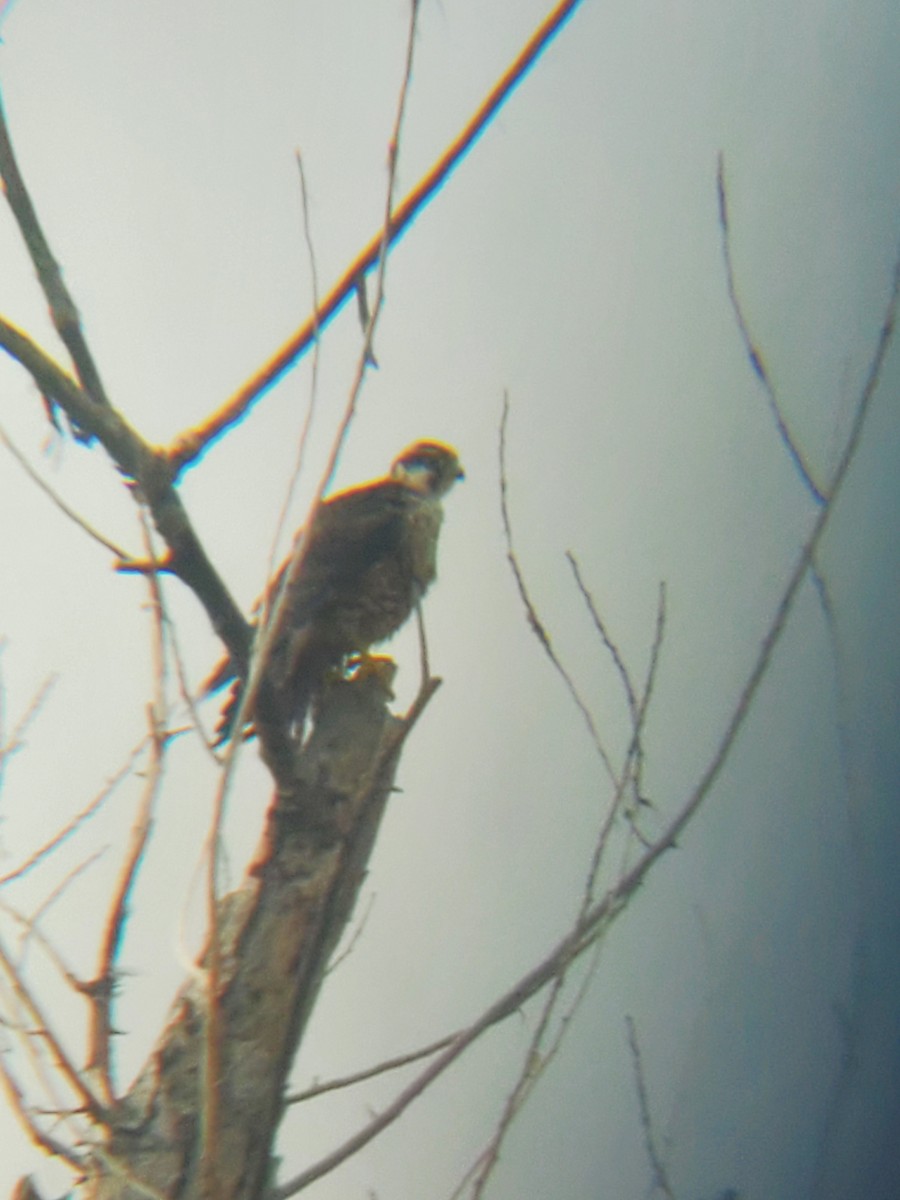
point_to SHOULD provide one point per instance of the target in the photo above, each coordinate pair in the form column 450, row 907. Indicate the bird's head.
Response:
column 430, row 468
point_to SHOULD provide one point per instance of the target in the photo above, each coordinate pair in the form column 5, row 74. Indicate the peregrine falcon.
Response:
column 370, row 556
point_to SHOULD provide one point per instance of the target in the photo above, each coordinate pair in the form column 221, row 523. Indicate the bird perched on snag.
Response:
column 368, row 559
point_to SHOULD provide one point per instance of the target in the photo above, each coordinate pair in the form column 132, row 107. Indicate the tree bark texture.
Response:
column 276, row 935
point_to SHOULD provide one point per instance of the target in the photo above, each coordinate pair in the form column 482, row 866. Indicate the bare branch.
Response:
column 42, row 1029
column 389, row 1064
column 9, row 746
column 783, row 610
column 102, row 988
column 35, row 1134
column 58, row 500
column 139, row 461
column 190, row 444
column 62, row 307
column 605, row 637
column 660, row 1175
column 753, row 353
column 86, row 813
column 631, row 766
column 534, row 620
column 535, row 1061
column 313, row 386
column 536, row 1058
column 33, row 922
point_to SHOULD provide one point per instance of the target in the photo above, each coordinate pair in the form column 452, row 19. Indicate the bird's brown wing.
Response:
column 352, row 531
column 352, row 534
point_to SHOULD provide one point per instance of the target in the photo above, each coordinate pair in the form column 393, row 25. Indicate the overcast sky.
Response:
column 574, row 262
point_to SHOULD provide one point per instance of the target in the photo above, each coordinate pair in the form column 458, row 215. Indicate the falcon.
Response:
column 370, row 556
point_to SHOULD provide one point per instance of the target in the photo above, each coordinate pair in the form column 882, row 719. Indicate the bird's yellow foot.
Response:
column 380, row 668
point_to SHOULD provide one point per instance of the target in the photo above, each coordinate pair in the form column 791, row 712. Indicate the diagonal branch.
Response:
column 660, row 1175
column 42, row 1029
column 753, row 353
column 102, row 987
column 63, row 312
column 39, row 481
column 190, row 444
column 148, row 467
column 534, row 621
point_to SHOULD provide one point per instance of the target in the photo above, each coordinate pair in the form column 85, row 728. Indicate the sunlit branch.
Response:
column 35, row 1134
column 102, row 987
column 55, row 896
column 43, row 1031
column 31, row 929
column 189, row 445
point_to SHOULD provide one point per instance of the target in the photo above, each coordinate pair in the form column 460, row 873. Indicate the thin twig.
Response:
column 660, row 1175
column 42, row 1140
column 357, row 933
column 534, row 620
column 508, row 1003
column 44, row 1076
column 605, row 637
column 61, row 504
column 102, row 987
column 753, row 353
column 43, row 1030
column 535, row 1061
column 86, row 813
column 389, row 1064
column 536, row 1057
column 9, row 746
column 188, row 446
column 62, row 307
column 53, row 898
column 313, row 386
column 631, row 762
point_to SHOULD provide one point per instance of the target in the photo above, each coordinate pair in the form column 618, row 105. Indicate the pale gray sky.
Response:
column 573, row 260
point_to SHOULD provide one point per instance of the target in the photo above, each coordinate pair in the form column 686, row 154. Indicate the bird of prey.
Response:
column 368, row 558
